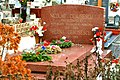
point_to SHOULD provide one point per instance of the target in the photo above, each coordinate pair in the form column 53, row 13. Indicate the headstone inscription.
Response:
column 73, row 21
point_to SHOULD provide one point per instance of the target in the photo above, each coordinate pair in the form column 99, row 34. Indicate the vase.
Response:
column 23, row 13
column 37, row 39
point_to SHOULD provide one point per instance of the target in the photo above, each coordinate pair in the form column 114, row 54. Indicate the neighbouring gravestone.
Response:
column 73, row 21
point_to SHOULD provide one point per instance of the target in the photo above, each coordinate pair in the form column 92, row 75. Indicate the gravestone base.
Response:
column 70, row 55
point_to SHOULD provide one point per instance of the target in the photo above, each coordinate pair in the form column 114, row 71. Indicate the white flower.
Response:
column 64, row 37
column 39, row 31
column 95, row 28
column 44, row 23
column 95, row 35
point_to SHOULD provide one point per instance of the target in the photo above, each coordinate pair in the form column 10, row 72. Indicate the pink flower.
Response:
column 53, row 47
column 66, row 40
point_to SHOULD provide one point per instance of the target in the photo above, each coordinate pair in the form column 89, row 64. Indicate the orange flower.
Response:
column 37, row 53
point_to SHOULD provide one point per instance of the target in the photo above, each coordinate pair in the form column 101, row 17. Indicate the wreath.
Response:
column 48, row 1
column 114, row 7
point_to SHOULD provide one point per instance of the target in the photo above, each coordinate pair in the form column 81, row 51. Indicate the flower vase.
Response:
column 23, row 13
column 37, row 39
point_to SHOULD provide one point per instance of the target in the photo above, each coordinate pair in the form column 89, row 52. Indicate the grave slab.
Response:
column 69, row 54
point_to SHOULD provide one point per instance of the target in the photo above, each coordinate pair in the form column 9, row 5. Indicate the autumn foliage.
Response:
column 12, row 67
column 9, row 39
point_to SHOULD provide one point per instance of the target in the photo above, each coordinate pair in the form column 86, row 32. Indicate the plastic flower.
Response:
column 97, row 34
column 43, row 47
column 115, row 61
column 53, row 46
column 64, row 37
column 45, row 43
column 67, row 40
column 35, row 30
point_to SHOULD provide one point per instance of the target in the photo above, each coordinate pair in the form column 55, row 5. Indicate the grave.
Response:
column 76, row 23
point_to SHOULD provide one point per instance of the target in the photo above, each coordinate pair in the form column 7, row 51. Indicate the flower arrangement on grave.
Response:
column 35, row 56
column 40, row 52
column 62, row 43
column 97, row 40
column 11, row 67
column 37, row 30
column 49, row 49
column 114, row 6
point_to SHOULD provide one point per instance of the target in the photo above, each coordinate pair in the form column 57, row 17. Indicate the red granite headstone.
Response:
column 73, row 21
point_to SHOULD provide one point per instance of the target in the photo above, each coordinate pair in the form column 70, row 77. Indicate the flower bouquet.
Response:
column 62, row 43
column 40, row 52
column 48, row 48
column 97, row 40
column 36, row 31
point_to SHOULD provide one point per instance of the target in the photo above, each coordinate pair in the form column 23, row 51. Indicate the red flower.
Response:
column 98, row 34
column 117, row 4
column 44, row 28
column 98, row 39
column 100, row 29
column 31, row 29
column 91, row 40
column 35, row 27
column 46, row 43
column 115, row 61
